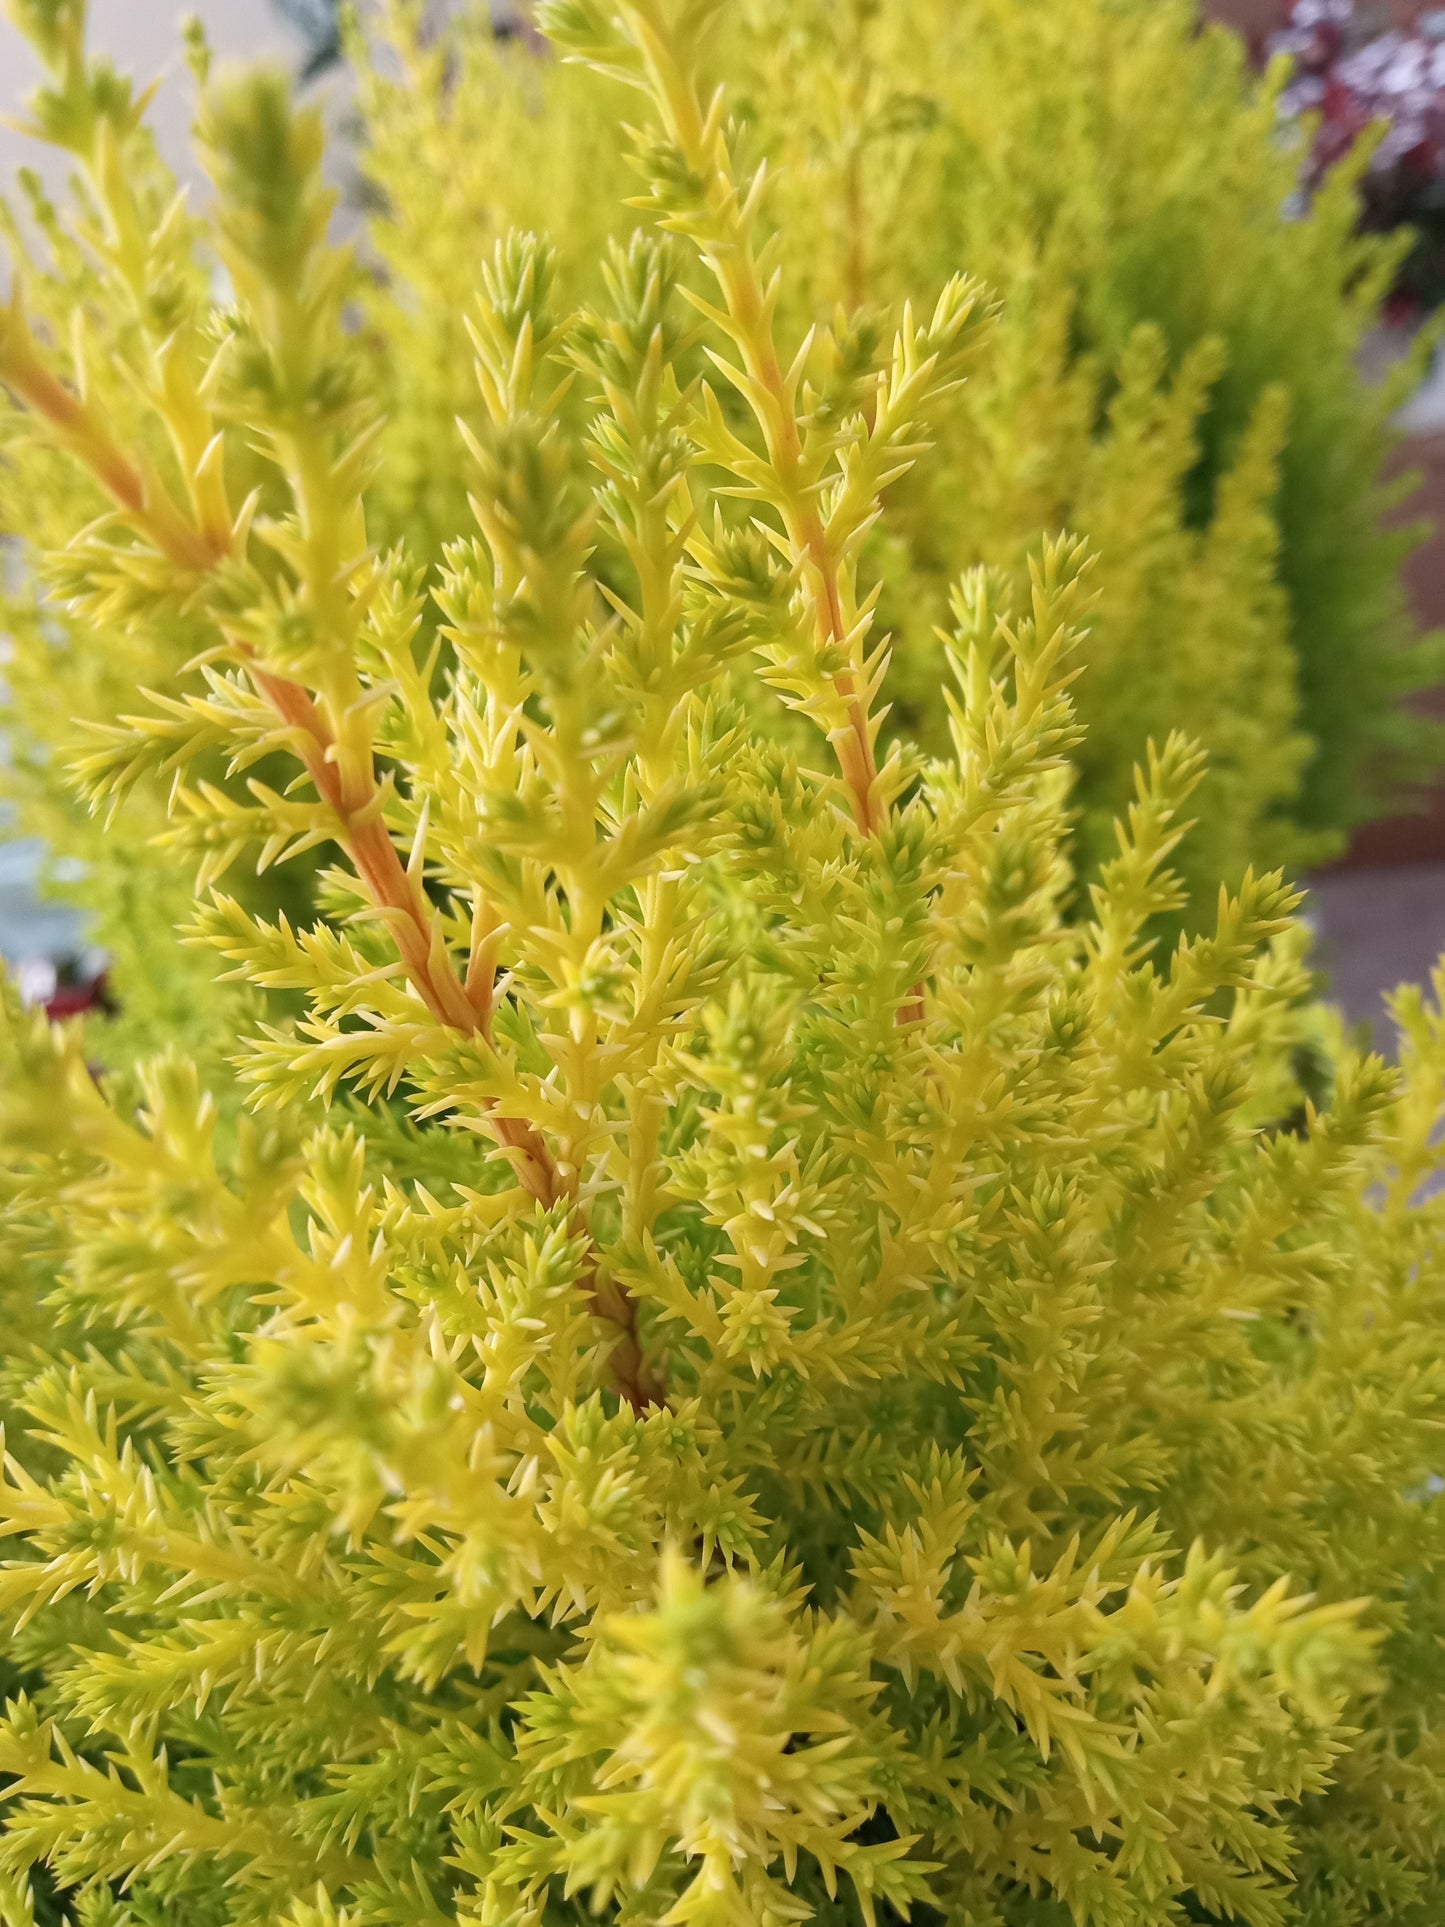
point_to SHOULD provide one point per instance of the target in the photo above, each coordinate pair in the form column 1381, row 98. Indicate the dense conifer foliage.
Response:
column 1174, row 373
column 686, row 1346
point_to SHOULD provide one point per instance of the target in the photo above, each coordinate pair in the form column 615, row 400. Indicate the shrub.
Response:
column 733, row 1365
column 1174, row 373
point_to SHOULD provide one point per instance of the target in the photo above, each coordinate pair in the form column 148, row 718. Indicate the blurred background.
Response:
column 1357, row 69
column 1362, row 85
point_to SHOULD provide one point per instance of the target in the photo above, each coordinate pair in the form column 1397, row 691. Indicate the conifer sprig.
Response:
column 822, row 478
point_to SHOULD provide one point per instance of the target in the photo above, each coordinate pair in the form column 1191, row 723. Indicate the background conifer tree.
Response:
column 713, row 1357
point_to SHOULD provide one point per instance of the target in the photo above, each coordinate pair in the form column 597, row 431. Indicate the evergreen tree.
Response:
column 729, row 1363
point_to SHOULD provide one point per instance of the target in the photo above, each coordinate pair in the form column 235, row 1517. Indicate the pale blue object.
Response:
column 29, row 926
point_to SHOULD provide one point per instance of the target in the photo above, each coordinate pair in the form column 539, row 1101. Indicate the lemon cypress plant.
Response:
column 711, row 1357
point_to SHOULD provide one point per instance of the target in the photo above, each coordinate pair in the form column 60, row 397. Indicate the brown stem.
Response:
column 83, row 433
column 367, row 841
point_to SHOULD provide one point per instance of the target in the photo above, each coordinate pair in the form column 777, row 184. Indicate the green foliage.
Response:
column 1174, row 374
column 715, row 1357
column 126, row 286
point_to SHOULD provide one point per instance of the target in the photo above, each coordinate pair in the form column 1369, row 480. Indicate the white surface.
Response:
column 1378, row 929
column 1424, row 413
column 30, row 928
column 143, row 38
